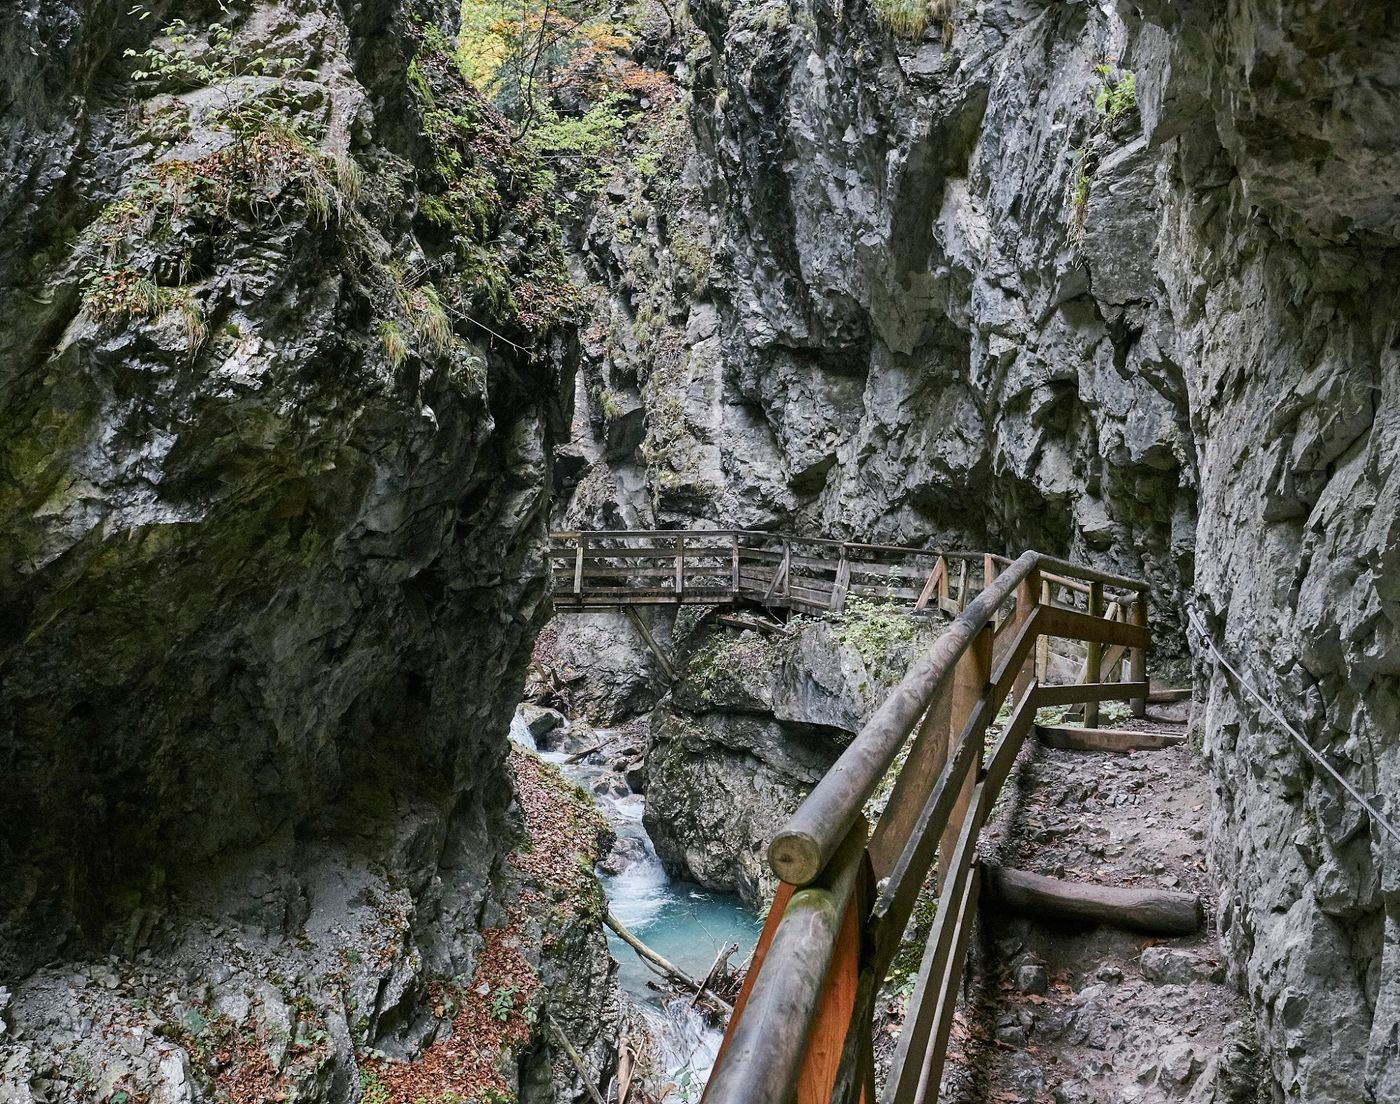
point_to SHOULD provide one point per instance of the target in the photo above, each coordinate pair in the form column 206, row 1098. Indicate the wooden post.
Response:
column 843, row 582
column 1042, row 650
column 962, row 587
column 1093, row 657
column 734, row 565
column 1027, row 594
column 578, row 565
column 943, row 584
column 1137, row 657
column 971, row 678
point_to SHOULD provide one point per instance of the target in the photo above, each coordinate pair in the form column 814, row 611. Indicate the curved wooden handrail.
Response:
column 955, row 688
column 809, row 839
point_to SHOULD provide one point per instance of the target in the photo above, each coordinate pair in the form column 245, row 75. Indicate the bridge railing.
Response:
column 616, row 568
column 850, row 874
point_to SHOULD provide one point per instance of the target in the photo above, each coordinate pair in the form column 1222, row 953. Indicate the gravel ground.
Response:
column 1076, row 1015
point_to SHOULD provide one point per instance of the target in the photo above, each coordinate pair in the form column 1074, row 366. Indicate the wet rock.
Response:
column 626, row 851
column 540, row 720
column 609, row 785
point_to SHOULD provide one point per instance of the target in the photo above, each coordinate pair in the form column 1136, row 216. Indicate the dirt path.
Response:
column 1072, row 1015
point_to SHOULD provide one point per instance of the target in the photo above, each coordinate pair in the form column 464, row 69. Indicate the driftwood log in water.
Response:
column 665, row 967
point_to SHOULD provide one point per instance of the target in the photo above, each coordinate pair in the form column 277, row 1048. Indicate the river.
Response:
column 685, row 923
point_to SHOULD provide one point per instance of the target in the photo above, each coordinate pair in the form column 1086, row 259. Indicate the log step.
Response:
column 1154, row 911
column 1121, row 740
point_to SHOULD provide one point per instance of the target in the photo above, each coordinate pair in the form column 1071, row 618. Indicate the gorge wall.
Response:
column 286, row 344
column 976, row 287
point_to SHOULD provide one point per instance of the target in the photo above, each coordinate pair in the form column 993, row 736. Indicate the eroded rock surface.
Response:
column 943, row 290
column 271, row 509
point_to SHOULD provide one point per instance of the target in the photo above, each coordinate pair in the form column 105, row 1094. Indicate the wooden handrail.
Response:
column 809, row 839
column 939, row 804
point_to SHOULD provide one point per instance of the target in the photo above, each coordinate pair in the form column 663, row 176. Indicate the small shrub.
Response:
column 904, row 18
column 372, row 1088
column 503, row 1001
column 1117, row 95
column 430, row 320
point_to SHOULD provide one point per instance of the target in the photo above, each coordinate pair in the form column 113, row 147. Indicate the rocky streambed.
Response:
column 685, row 922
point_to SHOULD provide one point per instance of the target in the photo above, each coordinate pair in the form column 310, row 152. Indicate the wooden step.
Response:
column 1121, row 740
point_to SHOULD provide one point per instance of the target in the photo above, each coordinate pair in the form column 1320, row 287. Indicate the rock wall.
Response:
column 976, row 287
column 285, row 351
column 750, row 725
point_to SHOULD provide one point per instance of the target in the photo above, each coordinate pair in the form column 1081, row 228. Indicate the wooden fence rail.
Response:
column 802, row 1026
column 619, row 568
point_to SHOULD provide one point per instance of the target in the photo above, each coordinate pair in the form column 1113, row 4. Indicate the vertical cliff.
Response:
column 1107, row 279
column 287, row 343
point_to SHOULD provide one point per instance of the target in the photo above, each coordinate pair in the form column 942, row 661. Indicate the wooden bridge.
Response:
column 802, row 1026
column 620, row 568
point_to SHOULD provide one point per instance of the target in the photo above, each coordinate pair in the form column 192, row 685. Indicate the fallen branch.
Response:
column 667, row 968
column 724, row 952
column 626, row 1065
column 577, row 1061
column 1155, row 911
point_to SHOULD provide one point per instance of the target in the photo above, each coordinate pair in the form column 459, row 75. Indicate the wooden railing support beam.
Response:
column 1137, row 656
column 1093, row 658
column 971, row 680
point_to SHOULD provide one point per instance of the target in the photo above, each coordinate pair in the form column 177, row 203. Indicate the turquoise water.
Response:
column 684, row 923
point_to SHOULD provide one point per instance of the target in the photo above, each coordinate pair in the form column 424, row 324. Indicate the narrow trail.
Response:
column 1068, row 1015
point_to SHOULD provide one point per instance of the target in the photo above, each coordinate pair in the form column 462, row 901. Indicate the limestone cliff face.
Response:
column 977, row 289
column 271, row 505
column 752, row 723
column 284, row 340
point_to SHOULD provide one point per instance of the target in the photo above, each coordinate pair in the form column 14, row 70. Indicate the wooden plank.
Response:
column 1154, row 911
column 1027, row 595
column 1042, row 650
column 1070, row 584
column 971, row 680
column 579, row 554
column 1137, row 655
column 1166, row 697
column 962, row 586
column 916, row 780
column 1093, row 655
column 939, row 570
column 907, row 1067
column 734, row 565
column 931, row 1075
column 1069, row 738
column 1077, row 692
column 651, row 552
column 1080, row 626
column 827, row 1040
column 843, row 582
